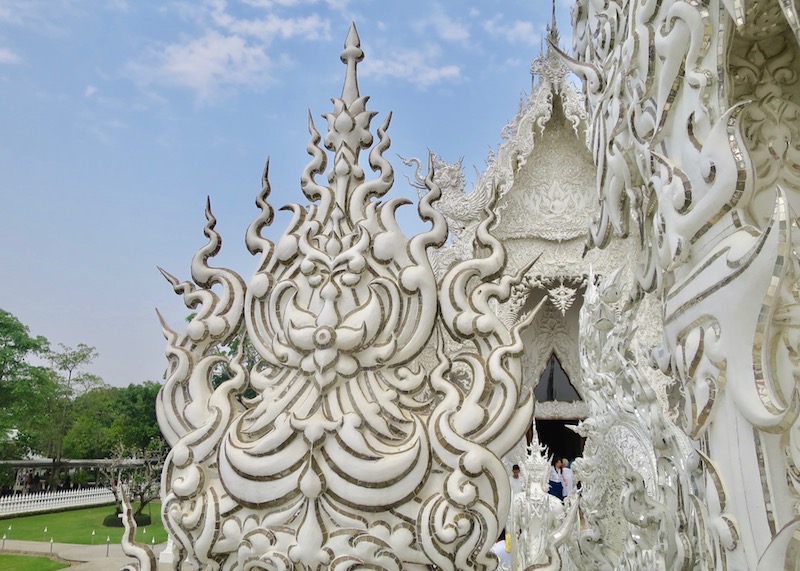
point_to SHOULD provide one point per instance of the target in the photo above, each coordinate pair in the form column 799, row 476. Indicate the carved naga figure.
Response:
column 348, row 451
column 695, row 134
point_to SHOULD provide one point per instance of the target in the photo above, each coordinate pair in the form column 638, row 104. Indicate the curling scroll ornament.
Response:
column 340, row 448
column 538, row 523
column 639, row 503
column 695, row 138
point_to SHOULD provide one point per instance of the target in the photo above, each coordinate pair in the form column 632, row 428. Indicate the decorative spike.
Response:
column 170, row 278
column 351, row 55
column 177, row 285
column 165, row 328
column 553, row 28
column 202, row 273
column 255, row 241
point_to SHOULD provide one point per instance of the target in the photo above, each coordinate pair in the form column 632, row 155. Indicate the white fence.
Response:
column 51, row 501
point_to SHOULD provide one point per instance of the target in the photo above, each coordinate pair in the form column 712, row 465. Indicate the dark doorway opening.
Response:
column 561, row 441
column 554, row 384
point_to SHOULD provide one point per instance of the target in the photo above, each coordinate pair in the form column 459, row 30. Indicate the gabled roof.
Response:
column 550, row 87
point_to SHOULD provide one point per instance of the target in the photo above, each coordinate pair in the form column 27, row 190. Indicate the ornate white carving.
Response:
column 695, row 138
column 355, row 451
column 561, row 410
column 391, row 373
column 541, row 178
column 639, row 503
column 552, row 195
column 462, row 211
column 539, row 525
column 145, row 559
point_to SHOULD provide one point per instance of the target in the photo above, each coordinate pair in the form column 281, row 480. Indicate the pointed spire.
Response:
column 552, row 28
column 547, row 66
column 351, row 55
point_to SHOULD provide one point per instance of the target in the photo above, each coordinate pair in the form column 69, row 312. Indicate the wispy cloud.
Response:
column 445, row 27
column 272, row 26
column 231, row 49
column 8, row 57
column 273, row 3
column 417, row 66
column 340, row 5
column 516, row 31
column 205, row 65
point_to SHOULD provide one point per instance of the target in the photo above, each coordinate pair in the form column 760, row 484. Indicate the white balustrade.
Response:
column 51, row 501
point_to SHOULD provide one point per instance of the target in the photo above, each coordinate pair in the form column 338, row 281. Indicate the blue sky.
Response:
column 119, row 117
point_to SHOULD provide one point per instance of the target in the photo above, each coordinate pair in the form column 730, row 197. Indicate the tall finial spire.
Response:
column 549, row 66
column 552, row 29
column 351, row 55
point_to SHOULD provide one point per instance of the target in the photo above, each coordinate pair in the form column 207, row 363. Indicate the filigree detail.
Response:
column 638, row 469
column 462, row 211
column 539, row 524
column 561, row 410
column 369, row 442
column 694, row 138
column 562, row 297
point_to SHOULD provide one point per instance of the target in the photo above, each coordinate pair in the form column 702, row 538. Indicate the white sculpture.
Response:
column 390, row 382
column 538, row 523
column 639, row 501
column 695, row 139
column 352, row 453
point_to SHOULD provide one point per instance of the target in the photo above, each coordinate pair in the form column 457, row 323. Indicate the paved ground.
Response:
column 90, row 557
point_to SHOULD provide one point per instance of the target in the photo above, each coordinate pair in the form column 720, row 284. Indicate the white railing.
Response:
column 51, row 501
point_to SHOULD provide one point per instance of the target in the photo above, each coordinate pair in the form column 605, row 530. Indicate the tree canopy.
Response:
column 62, row 410
column 107, row 417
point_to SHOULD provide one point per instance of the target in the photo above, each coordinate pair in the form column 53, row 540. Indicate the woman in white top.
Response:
column 556, row 480
column 569, row 478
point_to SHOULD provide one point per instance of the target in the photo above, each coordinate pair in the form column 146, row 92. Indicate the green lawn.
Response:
column 76, row 526
column 28, row 563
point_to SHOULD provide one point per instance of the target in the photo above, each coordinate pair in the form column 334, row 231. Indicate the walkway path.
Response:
column 92, row 557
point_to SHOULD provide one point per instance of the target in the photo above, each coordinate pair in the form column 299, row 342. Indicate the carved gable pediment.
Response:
column 551, row 196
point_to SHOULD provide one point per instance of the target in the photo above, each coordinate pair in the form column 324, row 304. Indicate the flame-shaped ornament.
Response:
column 352, row 453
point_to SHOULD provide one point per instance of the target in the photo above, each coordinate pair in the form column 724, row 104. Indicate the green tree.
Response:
column 68, row 363
column 71, row 382
column 135, row 420
column 20, row 381
column 33, row 404
column 16, row 346
column 107, row 417
column 39, row 403
column 91, row 433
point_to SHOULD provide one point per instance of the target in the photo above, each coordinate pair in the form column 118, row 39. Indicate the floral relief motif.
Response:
column 695, row 143
column 367, row 440
column 638, row 467
column 395, row 374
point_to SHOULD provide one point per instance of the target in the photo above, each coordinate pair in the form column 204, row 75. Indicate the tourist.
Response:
column 569, row 478
column 517, row 483
column 502, row 549
column 556, row 480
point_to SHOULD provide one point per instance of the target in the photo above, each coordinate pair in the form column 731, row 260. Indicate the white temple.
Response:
column 626, row 264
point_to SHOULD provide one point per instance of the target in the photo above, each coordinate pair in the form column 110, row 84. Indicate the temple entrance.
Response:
column 561, row 441
column 555, row 386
